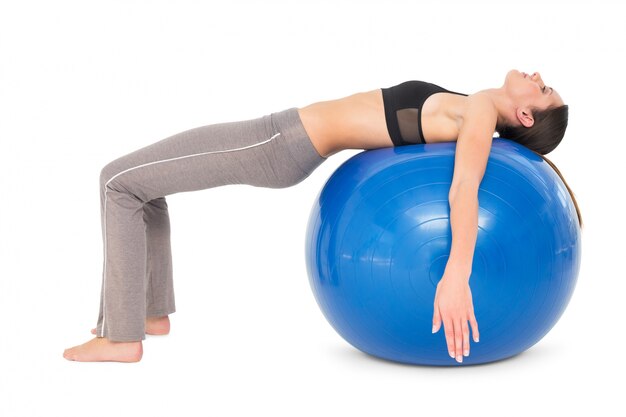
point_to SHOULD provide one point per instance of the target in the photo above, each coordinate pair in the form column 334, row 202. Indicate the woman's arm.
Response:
column 453, row 300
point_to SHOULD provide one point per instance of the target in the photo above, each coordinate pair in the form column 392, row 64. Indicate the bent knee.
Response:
column 106, row 173
column 109, row 173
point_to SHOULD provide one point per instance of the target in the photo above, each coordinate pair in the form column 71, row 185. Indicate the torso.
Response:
column 358, row 121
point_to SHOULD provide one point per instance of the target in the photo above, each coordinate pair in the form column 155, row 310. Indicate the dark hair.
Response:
column 542, row 138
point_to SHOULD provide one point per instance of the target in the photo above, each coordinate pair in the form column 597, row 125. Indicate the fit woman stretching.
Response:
column 282, row 149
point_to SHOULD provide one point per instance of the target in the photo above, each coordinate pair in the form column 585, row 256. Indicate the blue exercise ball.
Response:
column 379, row 236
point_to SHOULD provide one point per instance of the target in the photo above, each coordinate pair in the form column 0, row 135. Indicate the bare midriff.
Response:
column 353, row 122
column 358, row 121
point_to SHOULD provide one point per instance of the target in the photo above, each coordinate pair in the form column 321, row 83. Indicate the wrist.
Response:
column 458, row 271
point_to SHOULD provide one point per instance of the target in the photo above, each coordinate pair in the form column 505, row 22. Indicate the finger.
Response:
column 458, row 341
column 436, row 319
column 449, row 331
column 466, row 339
column 474, row 325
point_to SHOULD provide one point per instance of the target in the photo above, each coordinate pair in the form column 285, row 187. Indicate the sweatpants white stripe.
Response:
column 140, row 166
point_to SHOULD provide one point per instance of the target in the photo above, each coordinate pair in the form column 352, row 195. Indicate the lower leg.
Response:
column 122, row 307
column 156, row 326
column 159, row 273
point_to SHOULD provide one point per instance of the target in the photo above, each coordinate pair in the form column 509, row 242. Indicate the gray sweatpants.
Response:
column 271, row 151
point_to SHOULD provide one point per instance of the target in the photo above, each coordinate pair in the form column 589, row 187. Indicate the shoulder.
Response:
column 475, row 139
column 482, row 100
column 480, row 110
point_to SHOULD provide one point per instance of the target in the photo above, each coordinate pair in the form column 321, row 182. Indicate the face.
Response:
column 529, row 91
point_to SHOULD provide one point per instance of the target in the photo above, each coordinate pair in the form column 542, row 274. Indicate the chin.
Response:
column 512, row 76
column 513, row 73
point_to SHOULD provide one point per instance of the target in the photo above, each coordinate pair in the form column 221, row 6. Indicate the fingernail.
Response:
column 434, row 328
column 466, row 353
column 451, row 354
column 459, row 359
column 476, row 339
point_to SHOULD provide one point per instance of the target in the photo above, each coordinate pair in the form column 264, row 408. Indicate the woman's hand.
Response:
column 453, row 306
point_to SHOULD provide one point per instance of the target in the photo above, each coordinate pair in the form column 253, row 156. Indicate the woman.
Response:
column 282, row 149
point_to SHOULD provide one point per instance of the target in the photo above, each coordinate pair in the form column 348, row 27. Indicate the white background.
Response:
column 84, row 82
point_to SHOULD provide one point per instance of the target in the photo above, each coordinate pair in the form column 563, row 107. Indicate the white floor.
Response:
column 83, row 83
column 254, row 342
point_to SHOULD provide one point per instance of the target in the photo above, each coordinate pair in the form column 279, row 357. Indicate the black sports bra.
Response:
column 403, row 104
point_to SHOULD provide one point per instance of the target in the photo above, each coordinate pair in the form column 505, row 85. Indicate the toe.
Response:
column 67, row 354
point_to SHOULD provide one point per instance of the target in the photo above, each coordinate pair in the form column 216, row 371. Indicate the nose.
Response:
column 537, row 77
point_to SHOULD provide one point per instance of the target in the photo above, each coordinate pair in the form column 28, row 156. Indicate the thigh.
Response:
column 246, row 152
column 214, row 137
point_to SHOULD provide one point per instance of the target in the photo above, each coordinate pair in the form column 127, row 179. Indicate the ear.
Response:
column 525, row 117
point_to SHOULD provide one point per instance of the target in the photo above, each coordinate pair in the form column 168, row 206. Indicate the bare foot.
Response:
column 154, row 325
column 158, row 325
column 100, row 349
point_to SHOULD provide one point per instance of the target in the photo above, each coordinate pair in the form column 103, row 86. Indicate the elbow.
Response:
column 466, row 185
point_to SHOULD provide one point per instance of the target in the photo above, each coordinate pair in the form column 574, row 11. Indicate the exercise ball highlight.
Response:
column 379, row 236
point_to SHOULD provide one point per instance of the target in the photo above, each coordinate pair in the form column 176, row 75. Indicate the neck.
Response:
column 504, row 106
